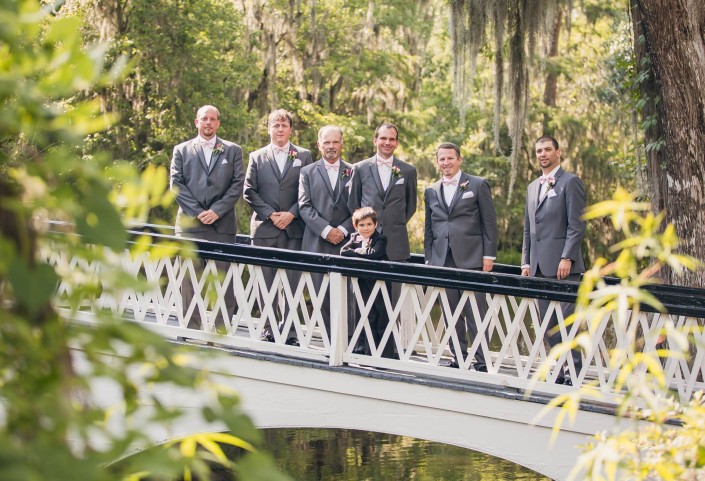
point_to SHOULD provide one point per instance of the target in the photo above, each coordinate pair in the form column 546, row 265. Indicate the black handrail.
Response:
column 504, row 279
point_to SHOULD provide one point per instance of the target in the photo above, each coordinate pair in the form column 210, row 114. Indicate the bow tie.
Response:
column 449, row 181
column 387, row 162
column 280, row 149
column 331, row 166
column 547, row 178
column 208, row 144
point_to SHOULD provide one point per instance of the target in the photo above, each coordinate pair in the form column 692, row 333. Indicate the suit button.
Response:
column 335, row 208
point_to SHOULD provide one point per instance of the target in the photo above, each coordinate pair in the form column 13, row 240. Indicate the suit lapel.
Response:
column 339, row 185
column 324, row 175
column 289, row 161
column 537, row 194
column 458, row 191
column 199, row 153
column 392, row 178
column 438, row 187
column 375, row 175
column 214, row 157
column 269, row 154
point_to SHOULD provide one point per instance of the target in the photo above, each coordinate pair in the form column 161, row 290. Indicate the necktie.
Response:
column 331, row 166
column 208, row 144
column 278, row 150
column 387, row 162
column 547, row 181
column 447, row 182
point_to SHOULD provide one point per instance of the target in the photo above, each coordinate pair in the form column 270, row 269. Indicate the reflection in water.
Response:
column 347, row 455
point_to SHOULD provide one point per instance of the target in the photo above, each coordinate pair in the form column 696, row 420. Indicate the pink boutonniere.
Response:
column 463, row 186
column 396, row 172
column 292, row 155
column 346, row 173
column 219, row 148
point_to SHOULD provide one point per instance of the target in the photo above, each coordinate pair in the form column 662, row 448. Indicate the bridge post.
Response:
column 338, row 288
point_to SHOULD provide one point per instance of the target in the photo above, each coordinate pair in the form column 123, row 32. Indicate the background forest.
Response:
column 362, row 62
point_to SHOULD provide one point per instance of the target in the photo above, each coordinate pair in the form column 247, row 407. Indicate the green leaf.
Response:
column 100, row 222
column 33, row 286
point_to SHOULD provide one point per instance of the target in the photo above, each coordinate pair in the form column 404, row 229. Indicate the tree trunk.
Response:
column 674, row 39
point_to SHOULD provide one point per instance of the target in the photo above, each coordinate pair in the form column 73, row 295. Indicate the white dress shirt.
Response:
column 449, row 190
column 333, row 178
column 207, row 150
column 280, row 154
column 385, row 173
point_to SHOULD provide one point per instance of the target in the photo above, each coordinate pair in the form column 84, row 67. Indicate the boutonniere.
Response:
column 396, row 172
column 346, row 173
column 219, row 148
column 463, row 186
column 291, row 156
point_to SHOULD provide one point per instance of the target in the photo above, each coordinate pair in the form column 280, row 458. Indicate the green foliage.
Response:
column 658, row 448
column 50, row 369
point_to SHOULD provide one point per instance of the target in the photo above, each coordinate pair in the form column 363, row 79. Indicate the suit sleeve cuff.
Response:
column 343, row 230
column 526, row 266
column 326, row 231
column 489, row 257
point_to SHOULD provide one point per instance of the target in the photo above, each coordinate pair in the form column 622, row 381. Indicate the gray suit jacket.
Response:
column 468, row 226
column 320, row 206
column 553, row 229
column 200, row 187
column 267, row 191
column 394, row 206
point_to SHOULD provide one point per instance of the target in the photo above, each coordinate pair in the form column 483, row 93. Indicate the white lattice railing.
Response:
column 420, row 336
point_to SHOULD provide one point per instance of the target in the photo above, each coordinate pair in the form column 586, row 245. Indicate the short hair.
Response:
column 207, row 107
column 448, row 145
column 544, row 138
column 334, row 127
column 280, row 114
column 364, row 213
column 387, row 126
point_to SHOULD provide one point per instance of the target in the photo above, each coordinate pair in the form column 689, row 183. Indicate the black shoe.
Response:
column 454, row 364
column 565, row 380
column 267, row 337
column 181, row 339
column 359, row 350
column 292, row 341
column 480, row 368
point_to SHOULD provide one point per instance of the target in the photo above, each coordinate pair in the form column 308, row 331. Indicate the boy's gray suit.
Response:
column 394, row 206
column 459, row 236
column 200, row 186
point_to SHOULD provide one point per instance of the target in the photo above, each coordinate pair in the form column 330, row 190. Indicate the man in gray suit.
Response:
column 207, row 176
column 323, row 202
column 388, row 185
column 460, row 232
column 553, row 233
column 271, row 189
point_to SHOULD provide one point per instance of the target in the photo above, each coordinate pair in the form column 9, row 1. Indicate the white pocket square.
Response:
column 297, row 163
column 467, row 195
column 399, row 182
column 551, row 193
column 225, row 161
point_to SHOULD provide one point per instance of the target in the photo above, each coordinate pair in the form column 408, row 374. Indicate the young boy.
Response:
column 368, row 243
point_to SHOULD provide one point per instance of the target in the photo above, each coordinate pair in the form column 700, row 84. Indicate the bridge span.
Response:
column 323, row 382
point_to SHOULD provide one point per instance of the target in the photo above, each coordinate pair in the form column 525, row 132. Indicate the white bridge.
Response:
column 323, row 383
